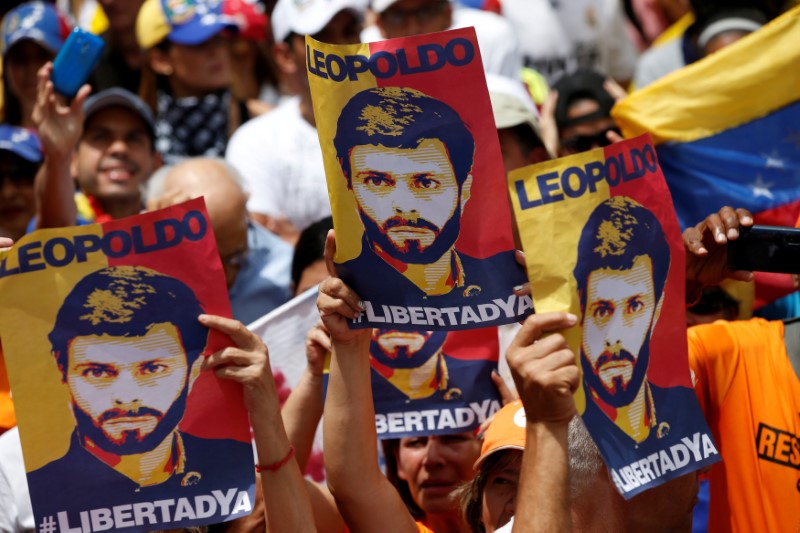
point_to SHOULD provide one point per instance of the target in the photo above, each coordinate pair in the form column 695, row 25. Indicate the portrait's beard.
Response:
column 412, row 251
column 400, row 357
column 619, row 394
column 132, row 441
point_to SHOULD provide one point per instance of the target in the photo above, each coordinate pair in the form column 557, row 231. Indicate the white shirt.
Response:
column 280, row 159
column 16, row 514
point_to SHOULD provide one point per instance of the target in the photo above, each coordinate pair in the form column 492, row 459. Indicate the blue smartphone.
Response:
column 75, row 61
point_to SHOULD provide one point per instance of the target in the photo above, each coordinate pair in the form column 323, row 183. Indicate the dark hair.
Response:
column 470, row 494
column 310, row 247
column 618, row 231
column 401, row 117
column 127, row 301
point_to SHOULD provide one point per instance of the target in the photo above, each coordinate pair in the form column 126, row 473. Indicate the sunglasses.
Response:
column 581, row 143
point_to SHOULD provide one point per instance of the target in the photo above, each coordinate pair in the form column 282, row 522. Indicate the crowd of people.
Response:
column 210, row 98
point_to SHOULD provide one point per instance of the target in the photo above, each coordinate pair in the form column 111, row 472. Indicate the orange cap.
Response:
column 505, row 432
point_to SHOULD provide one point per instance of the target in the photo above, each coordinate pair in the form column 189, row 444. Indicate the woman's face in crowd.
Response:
column 22, row 62
column 434, row 466
column 197, row 70
column 500, row 492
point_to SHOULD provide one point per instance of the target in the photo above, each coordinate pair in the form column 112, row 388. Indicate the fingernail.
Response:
column 733, row 233
column 361, row 304
column 517, row 288
column 747, row 220
column 571, row 317
column 202, row 318
column 702, row 250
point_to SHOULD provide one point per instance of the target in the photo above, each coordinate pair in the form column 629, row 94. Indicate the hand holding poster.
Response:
column 415, row 178
column 601, row 241
column 119, row 428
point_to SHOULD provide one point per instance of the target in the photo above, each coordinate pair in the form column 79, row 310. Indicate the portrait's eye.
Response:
column 98, row 372
column 426, row 182
column 603, row 309
column 153, row 367
column 635, row 304
column 378, row 180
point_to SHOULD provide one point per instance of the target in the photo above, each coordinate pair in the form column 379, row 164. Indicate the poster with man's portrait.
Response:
column 416, row 181
column 432, row 382
column 602, row 241
column 120, row 427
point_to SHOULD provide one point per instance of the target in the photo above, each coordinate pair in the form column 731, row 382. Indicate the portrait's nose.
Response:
column 403, row 200
column 125, row 390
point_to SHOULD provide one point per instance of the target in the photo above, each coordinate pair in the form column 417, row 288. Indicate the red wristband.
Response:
column 278, row 465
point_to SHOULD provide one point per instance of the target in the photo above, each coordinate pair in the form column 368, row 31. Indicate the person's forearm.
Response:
column 55, row 194
column 349, row 436
column 543, row 493
column 285, row 498
column 301, row 415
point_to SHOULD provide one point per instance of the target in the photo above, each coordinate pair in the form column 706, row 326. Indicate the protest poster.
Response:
column 416, row 181
column 601, row 241
column 119, row 427
column 432, row 382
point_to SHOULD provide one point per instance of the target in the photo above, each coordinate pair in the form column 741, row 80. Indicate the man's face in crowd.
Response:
column 115, row 156
column 434, row 466
column 514, row 153
column 128, row 393
column 617, row 319
column 414, row 17
column 405, row 349
column 587, row 135
column 121, row 14
column 344, row 28
column 408, row 198
column 17, row 200
column 500, row 492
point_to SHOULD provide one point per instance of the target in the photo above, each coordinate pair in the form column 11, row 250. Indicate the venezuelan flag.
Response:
column 727, row 132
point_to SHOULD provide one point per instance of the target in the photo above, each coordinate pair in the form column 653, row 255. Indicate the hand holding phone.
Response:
column 75, row 61
column 766, row 249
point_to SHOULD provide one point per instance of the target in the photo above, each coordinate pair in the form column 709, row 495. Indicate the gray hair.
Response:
column 585, row 461
column 154, row 187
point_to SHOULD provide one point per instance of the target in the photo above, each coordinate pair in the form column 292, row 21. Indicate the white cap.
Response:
column 307, row 17
column 512, row 104
column 379, row 6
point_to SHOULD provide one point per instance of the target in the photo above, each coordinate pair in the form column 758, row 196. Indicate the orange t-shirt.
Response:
column 751, row 398
column 422, row 528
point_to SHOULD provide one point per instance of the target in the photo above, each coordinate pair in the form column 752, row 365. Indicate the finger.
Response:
column 693, row 241
column 320, row 337
column 569, row 375
column 741, row 275
column 614, row 89
column 337, row 292
column 230, row 356
column 523, row 290
column 716, row 227
column 730, row 222
column 6, row 242
column 330, row 252
column 506, row 396
column 535, row 325
column 240, row 335
column 519, row 257
column 745, row 217
column 80, row 98
column 614, row 137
